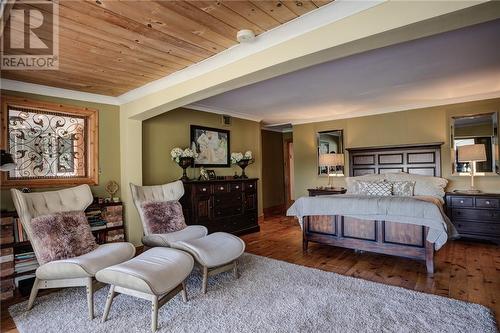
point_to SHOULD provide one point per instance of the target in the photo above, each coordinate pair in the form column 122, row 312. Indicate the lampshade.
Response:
column 6, row 161
column 469, row 153
column 331, row 159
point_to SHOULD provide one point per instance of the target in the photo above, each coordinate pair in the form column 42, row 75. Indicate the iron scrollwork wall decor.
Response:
column 52, row 144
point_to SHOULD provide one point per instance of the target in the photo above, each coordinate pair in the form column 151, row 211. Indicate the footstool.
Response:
column 156, row 275
column 216, row 253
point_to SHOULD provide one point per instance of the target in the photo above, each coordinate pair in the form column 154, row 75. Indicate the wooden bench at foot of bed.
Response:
column 398, row 239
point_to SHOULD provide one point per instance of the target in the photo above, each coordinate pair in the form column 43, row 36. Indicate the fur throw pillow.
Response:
column 61, row 236
column 163, row 217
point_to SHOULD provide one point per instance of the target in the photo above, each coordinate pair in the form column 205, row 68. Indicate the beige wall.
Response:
column 171, row 129
column 273, row 182
column 109, row 143
column 406, row 127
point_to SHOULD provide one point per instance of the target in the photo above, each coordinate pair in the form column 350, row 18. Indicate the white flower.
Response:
column 187, row 153
column 248, row 155
column 236, row 157
column 176, row 153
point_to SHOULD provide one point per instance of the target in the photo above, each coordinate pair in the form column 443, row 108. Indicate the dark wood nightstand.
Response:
column 475, row 215
column 313, row 192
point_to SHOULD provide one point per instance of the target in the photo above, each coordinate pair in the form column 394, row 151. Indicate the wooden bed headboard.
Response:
column 421, row 159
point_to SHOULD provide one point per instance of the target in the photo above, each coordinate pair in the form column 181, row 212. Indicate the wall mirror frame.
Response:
column 481, row 128
column 330, row 142
column 52, row 144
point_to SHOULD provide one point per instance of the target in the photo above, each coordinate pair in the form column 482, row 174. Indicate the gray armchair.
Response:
column 76, row 271
column 165, row 192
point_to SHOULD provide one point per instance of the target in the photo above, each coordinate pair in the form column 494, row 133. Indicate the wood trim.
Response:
column 287, row 175
column 92, row 145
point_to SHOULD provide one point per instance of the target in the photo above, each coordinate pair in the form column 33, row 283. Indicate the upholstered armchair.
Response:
column 162, row 193
column 69, row 272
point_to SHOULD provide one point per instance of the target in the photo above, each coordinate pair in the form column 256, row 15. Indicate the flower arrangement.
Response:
column 177, row 153
column 184, row 158
column 237, row 157
column 242, row 160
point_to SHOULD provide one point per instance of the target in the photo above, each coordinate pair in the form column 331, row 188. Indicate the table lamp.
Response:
column 331, row 160
column 472, row 154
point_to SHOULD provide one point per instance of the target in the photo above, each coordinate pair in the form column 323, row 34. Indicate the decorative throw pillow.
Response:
column 163, row 217
column 375, row 188
column 61, row 236
column 403, row 188
column 352, row 183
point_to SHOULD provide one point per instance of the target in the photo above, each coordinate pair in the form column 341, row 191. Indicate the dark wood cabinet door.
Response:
column 250, row 201
column 203, row 209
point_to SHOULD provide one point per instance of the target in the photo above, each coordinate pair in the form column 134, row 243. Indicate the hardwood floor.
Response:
column 466, row 271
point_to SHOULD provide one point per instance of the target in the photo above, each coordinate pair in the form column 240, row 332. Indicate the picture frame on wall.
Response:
column 212, row 146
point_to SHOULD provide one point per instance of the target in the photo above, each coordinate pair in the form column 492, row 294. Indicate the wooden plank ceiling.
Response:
column 110, row 47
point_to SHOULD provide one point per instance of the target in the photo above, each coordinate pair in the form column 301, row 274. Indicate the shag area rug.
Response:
column 269, row 296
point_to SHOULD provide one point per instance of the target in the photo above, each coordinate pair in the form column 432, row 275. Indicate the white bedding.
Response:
column 419, row 210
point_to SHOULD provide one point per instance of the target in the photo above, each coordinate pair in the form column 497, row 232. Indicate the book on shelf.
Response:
column 22, row 278
column 98, row 227
column 6, row 268
column 6, row 230
column 27, row 268
column 19, row 232
column 6, row 254
column 115, row 236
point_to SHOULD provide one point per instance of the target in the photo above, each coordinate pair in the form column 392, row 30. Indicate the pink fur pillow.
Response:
column 61, row 236
column 163, row 217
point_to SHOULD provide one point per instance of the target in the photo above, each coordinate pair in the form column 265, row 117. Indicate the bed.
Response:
column 412, row 227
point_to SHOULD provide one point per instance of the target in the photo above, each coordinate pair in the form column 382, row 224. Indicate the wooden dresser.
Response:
column 222, row 205
column 475, row 215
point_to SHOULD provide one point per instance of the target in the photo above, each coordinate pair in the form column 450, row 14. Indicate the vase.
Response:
column 243, row 164
column 184, row 163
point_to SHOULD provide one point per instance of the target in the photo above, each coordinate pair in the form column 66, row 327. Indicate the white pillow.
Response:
column 424, row 185
column 352, row 182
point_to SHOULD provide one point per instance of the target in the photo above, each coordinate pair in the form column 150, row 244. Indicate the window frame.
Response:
column 92, row 146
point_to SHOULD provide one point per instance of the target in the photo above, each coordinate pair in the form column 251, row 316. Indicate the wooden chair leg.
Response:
column 90, row 297
column 184, row 292
column 205, row 280
column 235, row 270
column 154, row 313
column 34, row 292
column 109, row 301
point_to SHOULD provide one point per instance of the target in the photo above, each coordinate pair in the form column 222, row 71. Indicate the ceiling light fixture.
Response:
column 245, row 35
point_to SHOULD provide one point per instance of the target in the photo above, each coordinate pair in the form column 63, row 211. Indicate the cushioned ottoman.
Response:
column 216, row 253
column 156, row 275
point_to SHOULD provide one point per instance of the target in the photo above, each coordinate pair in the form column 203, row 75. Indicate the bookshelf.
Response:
column 17, row 260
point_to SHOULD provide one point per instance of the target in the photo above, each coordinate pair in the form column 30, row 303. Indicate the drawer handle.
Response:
column 250, row 186
column 237, row 187
column 204, row 189
column 487, row 202
column 461, row 201
column 221, row 188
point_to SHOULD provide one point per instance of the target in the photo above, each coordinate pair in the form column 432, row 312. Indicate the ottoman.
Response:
column 216, row 253
column 156, row 275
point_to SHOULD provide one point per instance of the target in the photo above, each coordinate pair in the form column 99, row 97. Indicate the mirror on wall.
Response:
column 330, row 146
column 478, row 129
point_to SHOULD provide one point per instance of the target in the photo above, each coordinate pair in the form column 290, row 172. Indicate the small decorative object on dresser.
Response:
column 475, row 216
column 314, row 192
column 242, row 161
column 222, row 205
column 112, row 187
column 184, row 158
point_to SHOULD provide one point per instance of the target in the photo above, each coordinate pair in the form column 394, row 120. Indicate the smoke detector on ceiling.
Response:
column 245, row 35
